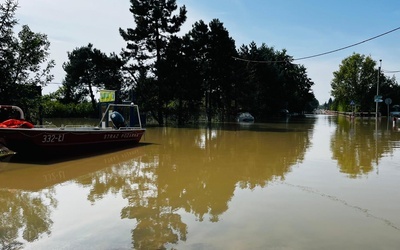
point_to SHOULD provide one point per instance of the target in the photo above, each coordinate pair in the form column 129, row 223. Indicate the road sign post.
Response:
column 388, row 101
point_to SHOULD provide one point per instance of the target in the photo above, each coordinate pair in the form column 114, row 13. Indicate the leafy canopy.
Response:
column 24, row 64
column 356, row 81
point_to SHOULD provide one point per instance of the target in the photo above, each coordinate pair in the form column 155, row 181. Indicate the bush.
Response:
column 56, row 109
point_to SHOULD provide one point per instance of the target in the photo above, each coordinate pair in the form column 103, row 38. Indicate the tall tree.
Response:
column 356, row 80
column 155, row 23
column 274, row 81
column 24, row 64
column 198, row 39
column 215, row 51
column 182, row 75
column 222, row 51
column 88, row 68
column 261, row 78
column 296, row 86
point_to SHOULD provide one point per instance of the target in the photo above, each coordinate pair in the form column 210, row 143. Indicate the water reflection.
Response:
column 25, row 214
column 197, row 170
column 358, row 146
column 28, row 196
column 180, row 171
column 193, row 170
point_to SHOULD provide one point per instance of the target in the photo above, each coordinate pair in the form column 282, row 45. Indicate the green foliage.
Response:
column 270, row 82
column 342, row 106
column 174, row 78
column 213, row 53
column 55, row 109
column 179, row 72
column 312, row 105
column 179, row 78
column 24, row 67
column 220, row 72
column 356, row 80
column 388, row 88
column 327, row 105
column 88, row 68
column 147, row 44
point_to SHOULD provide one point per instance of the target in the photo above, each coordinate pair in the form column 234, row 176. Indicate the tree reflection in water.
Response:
column 25, row 213
column 357, row 146
column 191, row 170
column 196, row 171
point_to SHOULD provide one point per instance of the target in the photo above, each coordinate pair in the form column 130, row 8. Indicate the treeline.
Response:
column 356, row 83
column 24, row 64
column 199, row 75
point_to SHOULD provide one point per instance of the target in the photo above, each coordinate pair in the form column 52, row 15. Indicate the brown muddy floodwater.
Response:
column 323, row 182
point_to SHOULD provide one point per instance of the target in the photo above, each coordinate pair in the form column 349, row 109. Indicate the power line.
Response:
column 346, row 47
column 324, row 53
column 256, row 61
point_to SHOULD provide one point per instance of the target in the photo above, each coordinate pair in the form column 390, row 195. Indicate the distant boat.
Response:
column 245, row 117
column 28, row 140
column 395, row 111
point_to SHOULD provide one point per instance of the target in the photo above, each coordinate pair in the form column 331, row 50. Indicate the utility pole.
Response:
column 377, row 90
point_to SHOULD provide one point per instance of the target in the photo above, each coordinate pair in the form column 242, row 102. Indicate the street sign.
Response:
column 378, row 98
column 388, row 101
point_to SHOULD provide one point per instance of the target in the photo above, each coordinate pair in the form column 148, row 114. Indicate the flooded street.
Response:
column 323, row 182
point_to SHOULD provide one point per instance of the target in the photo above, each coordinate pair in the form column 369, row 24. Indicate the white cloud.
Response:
column 71, row 23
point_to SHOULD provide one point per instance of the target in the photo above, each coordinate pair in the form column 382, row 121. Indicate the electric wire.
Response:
column 257, row 61
column 321, row 54
column 346, row 47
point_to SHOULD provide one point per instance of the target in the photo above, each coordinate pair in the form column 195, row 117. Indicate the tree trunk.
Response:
column 92, row 97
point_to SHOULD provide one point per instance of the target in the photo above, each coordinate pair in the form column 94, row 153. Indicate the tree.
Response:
column 24, row 64
column 198, row 40
column 261, row 78
column 275, row 82
column 296, row 87
column 355, row 81
column 184, row 81
column 147, row 42
column 88, row 68
column 215, row 51
column 221, row 75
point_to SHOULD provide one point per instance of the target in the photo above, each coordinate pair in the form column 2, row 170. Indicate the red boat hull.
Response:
column 51, row 142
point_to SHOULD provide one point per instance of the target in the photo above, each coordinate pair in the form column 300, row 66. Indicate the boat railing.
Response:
column 18, row 109
column 131, row 105
column 67, row 127
column 46, row 126
column 77, row 126
column 129, row 128
column 89, row 127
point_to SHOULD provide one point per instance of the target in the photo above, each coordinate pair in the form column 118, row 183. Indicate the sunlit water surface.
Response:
column 323, row 182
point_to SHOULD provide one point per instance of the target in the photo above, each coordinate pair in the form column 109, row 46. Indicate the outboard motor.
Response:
column 117, row 119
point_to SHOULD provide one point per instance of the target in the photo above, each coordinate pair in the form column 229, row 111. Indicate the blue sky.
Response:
column 302, row 27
